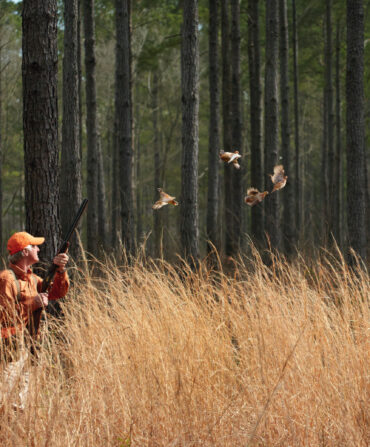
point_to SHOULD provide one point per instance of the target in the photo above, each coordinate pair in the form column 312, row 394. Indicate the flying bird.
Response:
column 254, row 196
column 164, row 199
column 231, row 157
column 278, row 178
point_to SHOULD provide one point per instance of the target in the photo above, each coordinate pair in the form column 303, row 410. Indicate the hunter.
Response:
column 19, row 298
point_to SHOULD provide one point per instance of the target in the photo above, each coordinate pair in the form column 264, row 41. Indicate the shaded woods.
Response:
column 148, row 96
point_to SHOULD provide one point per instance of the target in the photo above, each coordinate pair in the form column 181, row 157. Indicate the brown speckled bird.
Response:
column 278, row 178
column 164, row 199
column 231, row 157
column 254, row 196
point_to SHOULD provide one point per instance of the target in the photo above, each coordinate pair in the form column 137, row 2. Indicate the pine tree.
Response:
column 70, row 181
column 190, row 107
column 40, row 121
column 355, row 126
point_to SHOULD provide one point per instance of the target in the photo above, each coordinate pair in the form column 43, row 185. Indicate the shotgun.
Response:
column 34, row 323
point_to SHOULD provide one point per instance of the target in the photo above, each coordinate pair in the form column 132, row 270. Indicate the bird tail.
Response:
column 173, row 202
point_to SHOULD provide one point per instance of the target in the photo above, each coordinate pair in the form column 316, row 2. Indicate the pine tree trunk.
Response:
column 237, row 191
column 288, row 226
column 257, row 227
column 157, row 216
column 91, row 127
column 70, row 180
column 190, row 107
column 102, row 221
column 298, row 174
column 138, row 179
column 330, row 122
column 213, row 236
column 271, row 119
column 1, row 149
column 227, row 126
column 124, row 122
column 356, row 192
column 79, row 64
column 338, row 199
column 324, row 195
column 40, row 121
column 115, row 208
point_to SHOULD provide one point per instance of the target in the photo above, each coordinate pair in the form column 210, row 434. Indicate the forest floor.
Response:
column 153, row 355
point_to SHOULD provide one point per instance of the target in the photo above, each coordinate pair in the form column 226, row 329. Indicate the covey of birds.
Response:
column 164, row 199
column 278, row 178
column 254, row 196
column 231, row 157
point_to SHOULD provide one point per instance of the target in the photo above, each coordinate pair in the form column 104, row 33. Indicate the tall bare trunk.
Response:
column 115, row 209
column 237, row 191
column 190, row 108
column 70, row 182
column 213, row 236
column 356, row 182
column 1, row 150
column 157, row 216
column 124, row 122
column 330, row 121
column 257, row 224
column 298, row 173
column 288, row 225
column 271, row 119
column 227, row 125
column 40, row 121
column 338, row 178
column 91, row 127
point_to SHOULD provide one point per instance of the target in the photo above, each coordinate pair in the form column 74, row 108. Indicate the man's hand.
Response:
column 61, row 260
column 42, row 300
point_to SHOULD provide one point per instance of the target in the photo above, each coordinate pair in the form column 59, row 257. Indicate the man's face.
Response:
column 32, row 254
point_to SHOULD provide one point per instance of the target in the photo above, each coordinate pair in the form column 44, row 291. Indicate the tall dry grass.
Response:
column 153, row 355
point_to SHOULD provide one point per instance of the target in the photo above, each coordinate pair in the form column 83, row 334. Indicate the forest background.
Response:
column 106, row 100
column 304, row 212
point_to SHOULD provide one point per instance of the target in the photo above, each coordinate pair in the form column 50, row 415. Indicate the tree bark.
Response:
column 338, row 197
column 70, row 182
column 288, row 225
column 213, row 236
column 237, row 191
column 91, row 128
column 1, row 147
column 271, row 119
column 190, row 107
column 356, row 192
column 257, row 224
column 227, row 126
column 115, row 209
column 298, row 173
column 40, row 121
column 124, row 122
column 158, row 217
column 102, row 221
column 324, row 194
column 330, row 121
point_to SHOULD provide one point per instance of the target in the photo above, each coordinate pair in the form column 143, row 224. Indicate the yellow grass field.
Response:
column 266, row 356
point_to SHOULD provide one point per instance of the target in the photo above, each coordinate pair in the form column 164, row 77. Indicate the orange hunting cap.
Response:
column 20, row 240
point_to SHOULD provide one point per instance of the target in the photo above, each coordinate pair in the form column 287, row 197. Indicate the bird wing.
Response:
column 252, row 191
column 225, row 156
column 233, row 157
column 278, row 174
column 165, row 197
column 158, row 204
